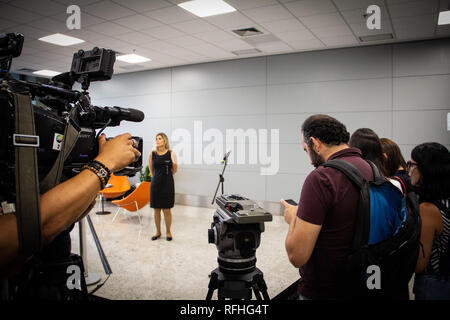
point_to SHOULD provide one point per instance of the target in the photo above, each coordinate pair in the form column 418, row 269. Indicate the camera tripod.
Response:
column 237, row 286
column 221, row 177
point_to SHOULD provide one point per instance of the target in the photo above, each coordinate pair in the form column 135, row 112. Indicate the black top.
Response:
column 162, row 189
column 402, row 176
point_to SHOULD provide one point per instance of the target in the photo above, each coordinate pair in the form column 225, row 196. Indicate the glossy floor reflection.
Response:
column 177, row 269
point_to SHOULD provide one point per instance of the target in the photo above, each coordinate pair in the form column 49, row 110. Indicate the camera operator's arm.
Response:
column 67, row 202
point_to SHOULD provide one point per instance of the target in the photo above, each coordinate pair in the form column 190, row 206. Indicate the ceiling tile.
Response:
column 415, row 27
column 136, row 38
column 360, row 29
column 215, row 36
column 250, row 4
column 332, row 31
column 233, row 45
column 109, row 28
column 323, row 20
column 158, row 45
column 85, row 34
column 17, row 14
column 77, row 2
column 340, row 41
column 310, row 7
column 230, row 20
column 194, row 26
column 163, row 32
column 296, row 35
column 357, row 15
column 86, row 19
column 357, row 4
column 143, row 5
column 283, row 25
column 185, row 41
column 170, row 15
column 108, row 10
column 43, row 7
column 138, row 22
column 5, row 24
column 416, row 8
column 28, row 32
column 49, row 24
column 269, row 13
column 209, row 50
column 307, row 44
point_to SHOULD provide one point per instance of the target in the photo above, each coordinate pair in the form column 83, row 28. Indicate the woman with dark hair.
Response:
column 395, row 164
column 368, row 142
column 429, row 170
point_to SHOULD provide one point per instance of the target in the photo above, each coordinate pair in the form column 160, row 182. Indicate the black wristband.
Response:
column 100, row 170
column 103, row 166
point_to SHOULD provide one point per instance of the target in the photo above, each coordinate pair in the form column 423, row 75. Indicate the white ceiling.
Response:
column 171, row 36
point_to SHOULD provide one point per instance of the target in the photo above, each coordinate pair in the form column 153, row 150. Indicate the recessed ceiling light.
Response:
column 61, row 39
column 46, row 73
column 133, row 58
column 444, row 17
column 206, row 8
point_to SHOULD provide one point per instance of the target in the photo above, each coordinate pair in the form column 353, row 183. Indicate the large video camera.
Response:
column 56, row 106
column 236, row 231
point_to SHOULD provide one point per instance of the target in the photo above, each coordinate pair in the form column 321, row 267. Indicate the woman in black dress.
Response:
column 163, row 164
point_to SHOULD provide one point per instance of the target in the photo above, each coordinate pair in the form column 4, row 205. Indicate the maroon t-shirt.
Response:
column 330, row 199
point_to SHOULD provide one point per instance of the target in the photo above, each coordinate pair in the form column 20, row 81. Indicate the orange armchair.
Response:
column 119, row 185
column 134, row 201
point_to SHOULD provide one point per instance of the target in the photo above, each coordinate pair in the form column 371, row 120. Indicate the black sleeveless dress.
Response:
column 162, row 189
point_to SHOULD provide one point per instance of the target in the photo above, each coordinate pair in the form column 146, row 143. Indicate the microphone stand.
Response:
column 221, row 177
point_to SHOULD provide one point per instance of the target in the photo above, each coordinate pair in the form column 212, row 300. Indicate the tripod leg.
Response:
column 261, row 286
column 256, row 291
column 212, row 285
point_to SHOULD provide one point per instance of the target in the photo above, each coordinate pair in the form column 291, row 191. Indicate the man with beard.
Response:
column 321, row 227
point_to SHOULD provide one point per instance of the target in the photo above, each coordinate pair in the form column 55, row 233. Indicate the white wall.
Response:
column 401, row 91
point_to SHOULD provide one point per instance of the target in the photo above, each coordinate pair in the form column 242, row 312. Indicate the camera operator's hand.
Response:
column 117, row 153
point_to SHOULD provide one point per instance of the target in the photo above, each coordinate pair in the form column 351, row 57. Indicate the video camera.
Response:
column 55, row 107
column 236, row 232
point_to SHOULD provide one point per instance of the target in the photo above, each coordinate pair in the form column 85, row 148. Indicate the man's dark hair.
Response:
column 433, row 162
column 369, row 143
column 325, row 128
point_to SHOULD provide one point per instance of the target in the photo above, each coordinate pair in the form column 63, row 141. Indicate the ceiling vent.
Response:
column 377, row 37
column 247, row 32
column 246, row 51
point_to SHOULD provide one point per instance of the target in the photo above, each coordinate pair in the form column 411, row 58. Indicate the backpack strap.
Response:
column 401, row 182
column 362, row 226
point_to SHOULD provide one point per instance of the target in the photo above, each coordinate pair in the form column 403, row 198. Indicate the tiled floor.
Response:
column 179, row 269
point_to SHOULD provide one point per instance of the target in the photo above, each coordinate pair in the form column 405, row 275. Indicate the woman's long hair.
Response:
column 433, row 162
column 368, row 142
column 394, row 159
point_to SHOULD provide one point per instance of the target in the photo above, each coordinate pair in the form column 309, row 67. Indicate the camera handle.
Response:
column 221, row 177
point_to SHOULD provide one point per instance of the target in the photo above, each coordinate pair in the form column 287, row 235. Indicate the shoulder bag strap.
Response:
column 28, row 212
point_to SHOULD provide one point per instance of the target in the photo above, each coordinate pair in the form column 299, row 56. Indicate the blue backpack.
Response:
column 387, row 234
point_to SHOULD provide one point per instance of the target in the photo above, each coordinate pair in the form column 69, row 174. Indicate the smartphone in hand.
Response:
column 291, row 202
